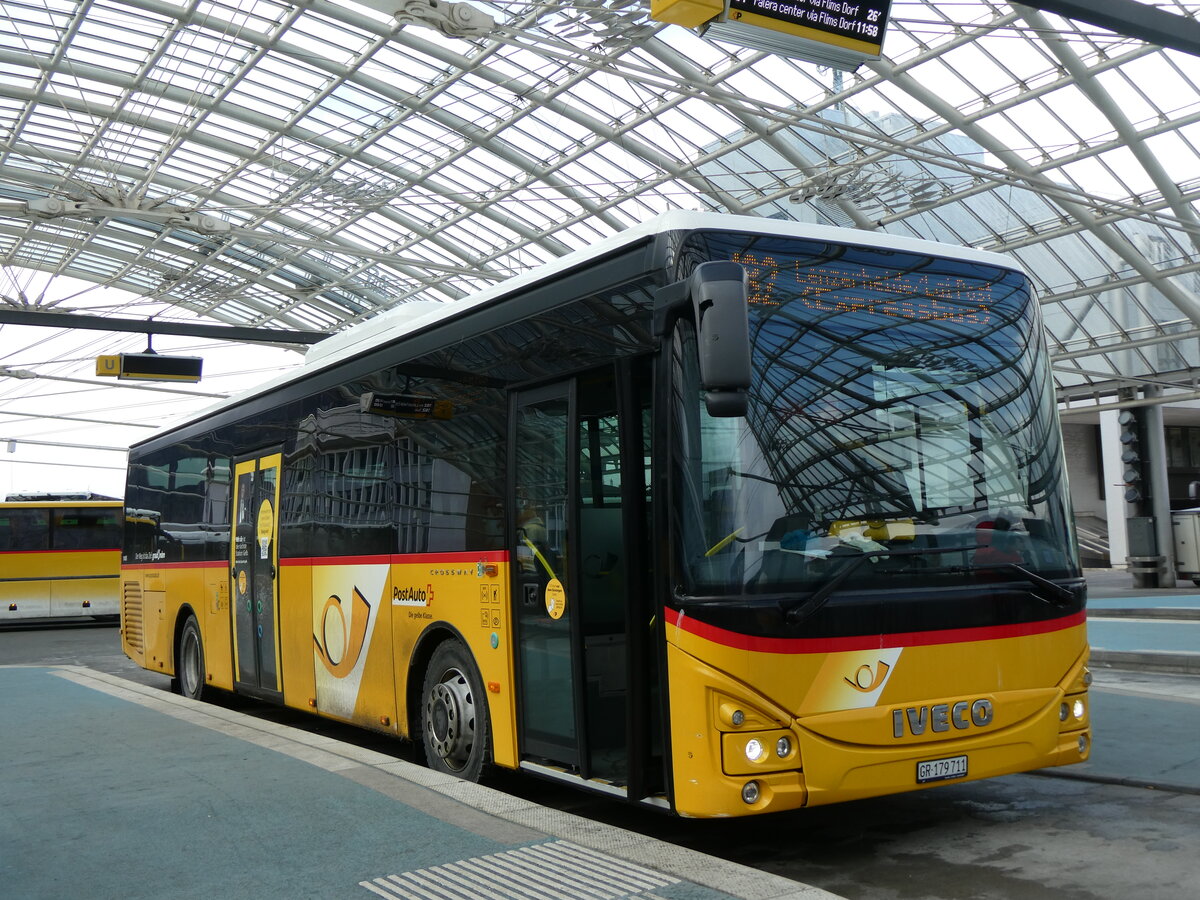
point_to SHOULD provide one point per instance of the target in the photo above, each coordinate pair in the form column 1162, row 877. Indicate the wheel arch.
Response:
column 181, row 617
column 435, row 633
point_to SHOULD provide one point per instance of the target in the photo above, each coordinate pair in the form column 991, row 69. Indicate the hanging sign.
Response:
column 150, row 367
column 838, row 33
column 406, row 406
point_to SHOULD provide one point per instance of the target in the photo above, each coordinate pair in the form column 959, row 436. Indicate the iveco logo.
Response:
column 916, row 720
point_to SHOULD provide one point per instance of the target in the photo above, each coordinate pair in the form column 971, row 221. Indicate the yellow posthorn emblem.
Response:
column 341, row 648
column 867, row 679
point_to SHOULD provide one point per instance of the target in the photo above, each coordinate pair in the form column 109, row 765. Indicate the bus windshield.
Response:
column 901, row 414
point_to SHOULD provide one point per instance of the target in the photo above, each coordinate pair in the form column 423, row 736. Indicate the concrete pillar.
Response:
column 1115, row 507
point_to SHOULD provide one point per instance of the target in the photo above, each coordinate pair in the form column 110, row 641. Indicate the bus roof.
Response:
column 59, row 504
column 408, row 318
column 73, row 497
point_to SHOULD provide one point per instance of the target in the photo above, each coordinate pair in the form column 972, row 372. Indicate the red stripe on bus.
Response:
column 868, row 642
column 497, row 556
column 73, row 550
column 381, row 559
column 194, row 564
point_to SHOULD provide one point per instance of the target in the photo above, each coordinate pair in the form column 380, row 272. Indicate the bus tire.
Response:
column 189, row 661
column 454, row 714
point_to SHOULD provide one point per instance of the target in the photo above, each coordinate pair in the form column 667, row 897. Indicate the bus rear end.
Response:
column 59, row 559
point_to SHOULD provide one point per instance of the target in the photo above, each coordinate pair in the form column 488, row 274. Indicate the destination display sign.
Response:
column 856, row 21
column 929, row 297
column 842, row 33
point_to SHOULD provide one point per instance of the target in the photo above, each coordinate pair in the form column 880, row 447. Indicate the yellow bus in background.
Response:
column 721, row 515
column 60, row 556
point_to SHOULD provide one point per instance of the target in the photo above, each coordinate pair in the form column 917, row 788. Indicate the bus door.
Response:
column 254, row 570
column 579, row 505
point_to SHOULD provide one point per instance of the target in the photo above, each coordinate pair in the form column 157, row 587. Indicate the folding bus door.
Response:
column 585, row 664
column 255, row 574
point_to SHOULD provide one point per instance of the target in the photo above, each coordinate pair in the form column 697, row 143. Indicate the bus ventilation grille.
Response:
column 131, row 615
column 552, row 870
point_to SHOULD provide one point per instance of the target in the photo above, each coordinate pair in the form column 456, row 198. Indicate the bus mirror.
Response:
column 726, row 404
column 719, row 297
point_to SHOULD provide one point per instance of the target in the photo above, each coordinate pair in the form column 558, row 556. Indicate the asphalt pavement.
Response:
column 1146, row 695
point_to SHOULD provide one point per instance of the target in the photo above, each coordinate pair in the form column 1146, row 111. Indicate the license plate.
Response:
column 941, row 769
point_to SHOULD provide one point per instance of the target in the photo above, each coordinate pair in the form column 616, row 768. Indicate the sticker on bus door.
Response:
column 556, row 599
column 264, row 528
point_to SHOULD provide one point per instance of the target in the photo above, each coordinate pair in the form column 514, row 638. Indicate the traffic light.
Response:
column 1131, row 455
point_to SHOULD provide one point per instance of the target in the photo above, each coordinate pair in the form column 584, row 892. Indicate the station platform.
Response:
column 1144, row 629
column 115, row 789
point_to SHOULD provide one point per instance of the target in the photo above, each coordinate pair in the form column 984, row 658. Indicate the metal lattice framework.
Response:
column 307, row 165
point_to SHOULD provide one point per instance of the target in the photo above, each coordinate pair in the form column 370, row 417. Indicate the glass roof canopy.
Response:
column 304, row 166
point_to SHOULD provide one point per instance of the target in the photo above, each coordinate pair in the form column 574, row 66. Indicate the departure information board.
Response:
column 853, row 25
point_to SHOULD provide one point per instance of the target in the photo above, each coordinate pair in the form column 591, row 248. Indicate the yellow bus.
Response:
column 60, row 556
column 722, row 515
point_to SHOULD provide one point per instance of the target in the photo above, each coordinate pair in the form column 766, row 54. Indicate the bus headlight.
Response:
column 1073, row 711
column 757, row 752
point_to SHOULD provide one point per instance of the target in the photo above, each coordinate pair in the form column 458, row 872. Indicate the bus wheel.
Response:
column 189, row 661
column 454, row 726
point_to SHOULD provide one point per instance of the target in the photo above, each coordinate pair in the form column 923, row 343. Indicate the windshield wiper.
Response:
column 1043, row 588
column 796, row 613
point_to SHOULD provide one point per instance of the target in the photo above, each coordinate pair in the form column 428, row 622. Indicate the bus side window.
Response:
column 85, row 529
column 28, row 529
